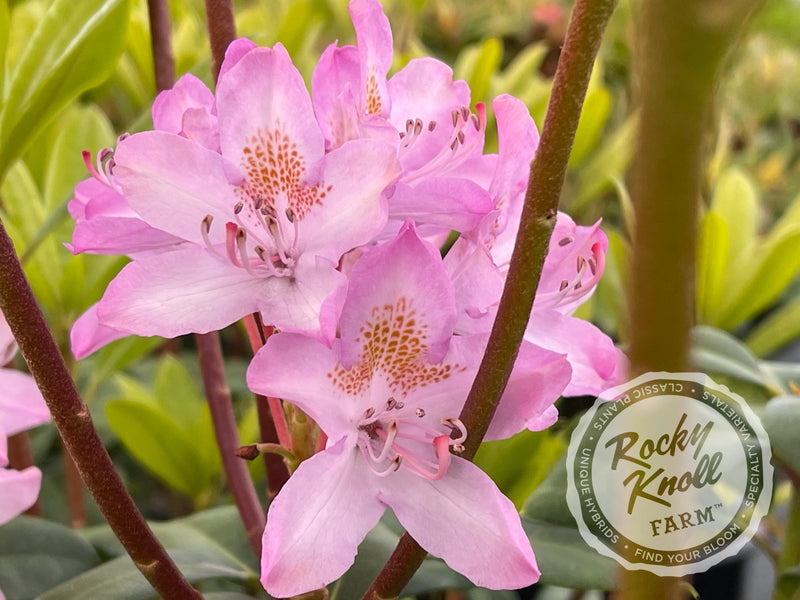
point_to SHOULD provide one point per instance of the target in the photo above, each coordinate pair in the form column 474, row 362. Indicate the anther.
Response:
column 461, row 137
column 258, row 202
column 458, row 448
column 581, row 263
column 454, row 145
column 237, row 208
column 476, row 122
column 455, row 116
column 368, row 413
column 290, row 214
column 419, row 412
column 564, row 285
column 431, row 125
column 465, row 113
column 409, row 126
column 400, row 405
column 578, row 285
column 567, row 240
column 417, row 126
column 593, row 265
column 391, row 403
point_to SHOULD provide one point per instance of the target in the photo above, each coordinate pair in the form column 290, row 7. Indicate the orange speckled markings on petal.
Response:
column 373, row 96
column 394, row 343
column 274, row 166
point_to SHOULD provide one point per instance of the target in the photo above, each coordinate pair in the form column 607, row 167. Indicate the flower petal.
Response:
column 375, row 48
column 596, row 363
column 398, row 289
column 263, row 94
column 18, row 491
column 464, row 519
column 174, row 183
column 189, row 96
column 334, row 92
column 317, row 521
column 88, row 335
column 21, row 403
column 297, row 368
column 180, row 292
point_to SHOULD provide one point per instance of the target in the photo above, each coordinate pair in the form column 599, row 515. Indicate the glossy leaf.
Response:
column 712, row 264
column 594, row 115
column 156, row 441
column 735, row 200
column 36, row 555
column 776, row 330
column 74, row 48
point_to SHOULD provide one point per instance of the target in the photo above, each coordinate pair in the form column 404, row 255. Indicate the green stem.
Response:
column 548, row 170
column 74, row 423
column 790, row 552
column 681, row 46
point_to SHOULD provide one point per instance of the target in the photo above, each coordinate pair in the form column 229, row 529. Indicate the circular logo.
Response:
column 670, row 473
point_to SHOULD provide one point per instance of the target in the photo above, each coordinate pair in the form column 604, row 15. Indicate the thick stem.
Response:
column 222, row 415
column 74, row 423
column 161, row 43
column 548, row 169
column 221, row 30
column 680, row 50
column 77, row 508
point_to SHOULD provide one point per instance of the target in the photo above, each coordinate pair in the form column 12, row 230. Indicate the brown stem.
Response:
column 20, row 457
column 589, row 19
column 74, row 423
column 77, row 508
column 221, row 30
column 161, row 43
column 222, row 415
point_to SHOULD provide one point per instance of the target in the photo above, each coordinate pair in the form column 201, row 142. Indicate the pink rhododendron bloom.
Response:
column 388, row 394
column 21, row 407
column 262, row 221
column 478, row 263
column 420, row 110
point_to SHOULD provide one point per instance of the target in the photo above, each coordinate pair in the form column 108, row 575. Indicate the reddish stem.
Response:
column 221, row 30
column 161, row 44
column 20, row 457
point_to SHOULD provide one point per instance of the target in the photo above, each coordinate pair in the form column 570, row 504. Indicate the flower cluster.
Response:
column 324, row 214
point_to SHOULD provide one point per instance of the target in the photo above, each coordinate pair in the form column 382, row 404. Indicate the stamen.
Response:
column 461, row 137
column 368, row 413
column 593, row 265
column 455, row 116
column 241, row 243
column 465, row 113
column 564, row 285
column 456, row 425
column 237, row 208
column 581, row 262
column 420, row 412
column 431, row 125
column 417, row 126
column 290, row 214
column 476, row 122
column 388, row 441
column 258, row 202
column 567, row 240
column 391, row 403
column 205, row 229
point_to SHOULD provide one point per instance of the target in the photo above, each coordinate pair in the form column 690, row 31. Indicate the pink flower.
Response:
column 21, row 407
column 478, row 263
column 388, row 395
column 420, row 110
column 262, row 221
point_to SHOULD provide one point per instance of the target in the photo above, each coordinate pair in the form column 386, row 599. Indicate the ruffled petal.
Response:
column 334, row 92
column 317, row 521
column 375, row 48
column 189, row 96
column 464, row 519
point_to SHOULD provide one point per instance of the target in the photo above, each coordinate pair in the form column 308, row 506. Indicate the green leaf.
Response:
column 787, row 586
column 775, row 265
column 562, row 555
column 177, row 394
column 780, row 419
column 712, row 264
column 74, row 48
column 160, row 445
column 736, row 202
column 594, row 115
column 719, row 353
column 36, row 555
column 119, row 579
column 5, row 22
column 477, row 65
column 776, row 330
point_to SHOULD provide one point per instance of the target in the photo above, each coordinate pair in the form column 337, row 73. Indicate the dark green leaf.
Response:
column 36, row 555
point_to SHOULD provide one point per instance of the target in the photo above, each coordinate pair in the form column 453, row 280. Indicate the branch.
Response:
column 161, row 43
column 221, row 30
column 589, row 19
column 74, row 423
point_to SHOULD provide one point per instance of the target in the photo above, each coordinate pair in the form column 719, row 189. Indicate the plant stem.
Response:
column 790, row 553
column 222, row 415
column 161, row 43
column 74, row 423
column 680, row 50
column 77, row 508
column 221, row 30
column 548, row 169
